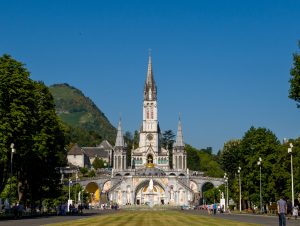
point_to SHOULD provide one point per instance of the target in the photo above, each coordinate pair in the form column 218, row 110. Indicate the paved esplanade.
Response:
column 265, row 220
column 249, row 218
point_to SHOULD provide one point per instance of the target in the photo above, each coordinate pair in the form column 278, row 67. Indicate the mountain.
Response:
column 87, row 124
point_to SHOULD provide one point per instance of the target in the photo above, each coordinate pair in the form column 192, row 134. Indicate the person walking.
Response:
column 295, row 212
column 282, row 211
column 215, row 208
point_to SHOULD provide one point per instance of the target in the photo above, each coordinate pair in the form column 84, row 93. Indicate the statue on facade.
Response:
column 151, row 185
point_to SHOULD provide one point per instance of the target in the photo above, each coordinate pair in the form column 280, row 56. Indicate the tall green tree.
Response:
column 167, row 141
column 283, row 182
column 259, row 142
column 47, row 149
column 294, row 92
column 28, row 119
column 230, row 157
column 16, row 104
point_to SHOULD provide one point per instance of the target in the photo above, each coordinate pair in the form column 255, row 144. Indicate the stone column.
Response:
column 132, row 198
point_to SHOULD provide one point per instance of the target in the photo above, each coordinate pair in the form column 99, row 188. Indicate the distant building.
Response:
column 85, row 156
column 149, row 179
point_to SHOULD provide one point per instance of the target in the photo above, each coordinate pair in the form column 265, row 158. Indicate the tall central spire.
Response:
column 150, row 86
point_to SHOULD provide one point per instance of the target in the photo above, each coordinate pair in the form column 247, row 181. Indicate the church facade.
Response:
column 150, row 153
column 150, row 180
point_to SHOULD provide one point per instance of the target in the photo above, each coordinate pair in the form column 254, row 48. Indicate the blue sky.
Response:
column 224, row 65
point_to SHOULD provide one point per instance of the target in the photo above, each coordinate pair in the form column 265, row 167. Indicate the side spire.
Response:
column 150, row 86
column 120, row 138
column 179, row 138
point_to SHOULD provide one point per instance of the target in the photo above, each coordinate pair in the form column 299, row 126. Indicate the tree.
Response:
column 209, row 165
column 28, row 119
column 128, row 138
column 167, row 141
column 193, row 160
column 230, row 157
column 259, row 142
column 282, row 175
column 83, row 171
column 16, row 102
column 212, row 195
column 46, row 150
column 294, row 92
column 98, row 163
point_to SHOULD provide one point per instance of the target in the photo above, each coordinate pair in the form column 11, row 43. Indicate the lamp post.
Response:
column 13, row 150
column 226, row 191
column 290, row 151
column 76, row 178
column 260, row 197
column 70, row 182
column 240, row 188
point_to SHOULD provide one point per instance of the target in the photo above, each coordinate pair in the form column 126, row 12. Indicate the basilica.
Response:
column 150, row 179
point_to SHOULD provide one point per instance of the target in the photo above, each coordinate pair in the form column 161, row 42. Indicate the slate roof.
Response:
column 106, row 145
column 76, row 150
column 96, row 152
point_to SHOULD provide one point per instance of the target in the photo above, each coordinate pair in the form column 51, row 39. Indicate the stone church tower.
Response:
column 150, row 153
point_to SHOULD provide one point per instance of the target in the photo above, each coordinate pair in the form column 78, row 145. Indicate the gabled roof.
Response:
column 105, row 145
column 76, row 150
column 95, row 152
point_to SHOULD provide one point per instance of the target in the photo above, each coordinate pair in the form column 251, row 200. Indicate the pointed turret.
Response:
column 179, row 154
column 120, row 138
column 150, row 87
column 179, row 138
column 120, row 150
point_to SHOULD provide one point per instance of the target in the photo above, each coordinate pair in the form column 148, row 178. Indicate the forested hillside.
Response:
column 85, row 123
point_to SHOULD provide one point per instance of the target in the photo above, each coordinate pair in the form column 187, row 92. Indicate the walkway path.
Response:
column 249, row 218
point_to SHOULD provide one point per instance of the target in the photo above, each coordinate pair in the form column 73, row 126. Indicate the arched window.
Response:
column 149, row 158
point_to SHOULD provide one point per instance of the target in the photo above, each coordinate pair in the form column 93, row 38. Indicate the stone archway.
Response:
column 143, row 194
column 94, row 191
column 205, row 186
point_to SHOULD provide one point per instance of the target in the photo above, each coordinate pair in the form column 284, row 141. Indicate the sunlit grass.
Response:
column 152, row 218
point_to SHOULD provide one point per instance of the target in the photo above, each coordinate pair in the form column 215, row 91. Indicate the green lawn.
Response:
column 152, row 218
